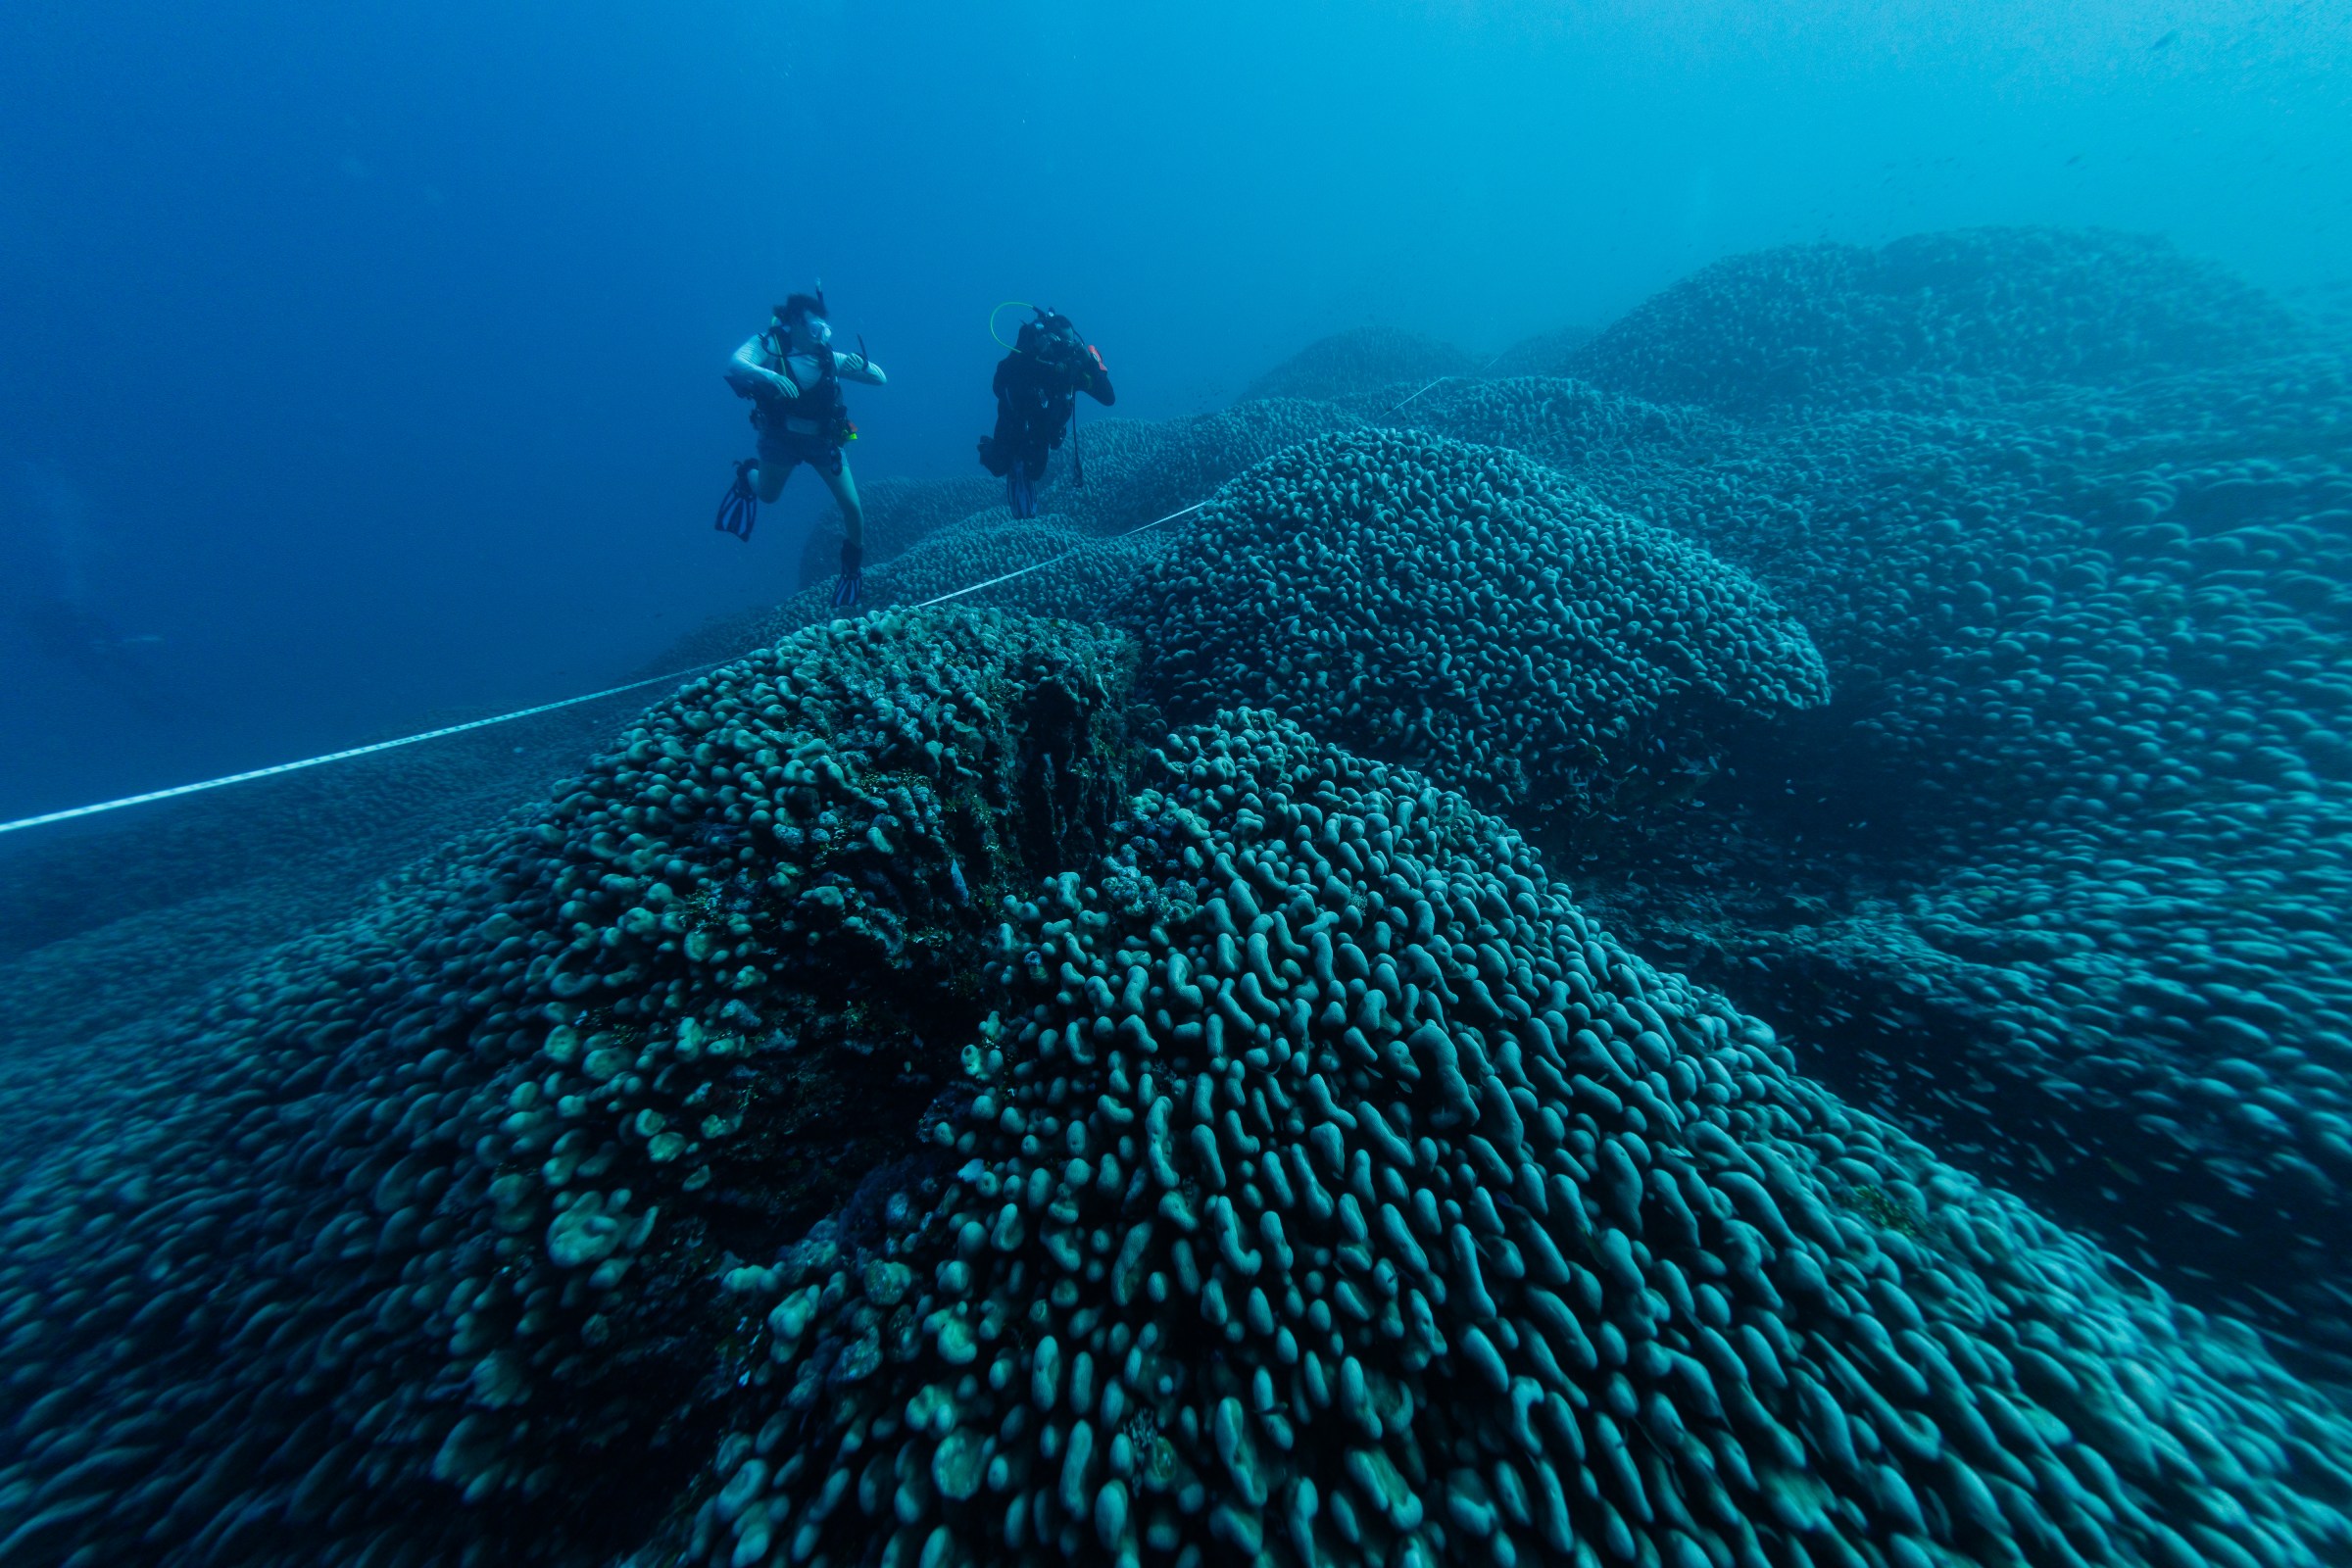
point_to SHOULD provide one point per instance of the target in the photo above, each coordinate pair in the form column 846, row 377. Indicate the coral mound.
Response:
column 193, row 896
column 1578, row 429
column 1138, row 470
column 429, row 1208
column 900, row 513
column 1334, row 1193
column 1042, row 566
column 1545, row 353
column 1825, row 324
column 885, row 1112
column 2061, row 855
column 1362, row 360
column 1467, row 610
column 1319, row 1183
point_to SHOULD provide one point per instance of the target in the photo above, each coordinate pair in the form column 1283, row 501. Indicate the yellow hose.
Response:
column 1000, row 310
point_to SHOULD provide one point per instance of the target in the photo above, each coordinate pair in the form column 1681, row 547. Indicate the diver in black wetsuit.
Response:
column 1037, row 387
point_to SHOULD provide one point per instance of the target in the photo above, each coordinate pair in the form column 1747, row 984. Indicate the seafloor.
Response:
column 1722, row 943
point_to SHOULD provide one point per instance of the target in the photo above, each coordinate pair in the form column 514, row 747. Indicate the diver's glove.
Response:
column 782, row 387
column 844, row 591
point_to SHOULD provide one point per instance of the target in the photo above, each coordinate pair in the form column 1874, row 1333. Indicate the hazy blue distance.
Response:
column 364, row 357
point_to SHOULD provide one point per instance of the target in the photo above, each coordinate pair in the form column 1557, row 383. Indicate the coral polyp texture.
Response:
column 1827, row 325
column 1042, row 566
column 900, row 513
column 2054, row 877
column 426, row 1212
column 1470, row 612
column 1136, row 470
column 1545, row 353
column 1362, row 360
column 1140, row 469
column 1335, row 1191
column 1733, row 963
column 197, row 894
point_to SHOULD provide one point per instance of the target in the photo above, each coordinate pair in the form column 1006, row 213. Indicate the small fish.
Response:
column 2165, row 42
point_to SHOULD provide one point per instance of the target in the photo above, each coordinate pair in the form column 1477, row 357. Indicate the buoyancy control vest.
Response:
column 819, row 411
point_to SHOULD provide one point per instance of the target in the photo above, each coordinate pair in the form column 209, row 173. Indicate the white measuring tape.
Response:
column 47, row 817
column 1064, row 556
column 337, row 757
column 1394, row 407
column 1480, row 370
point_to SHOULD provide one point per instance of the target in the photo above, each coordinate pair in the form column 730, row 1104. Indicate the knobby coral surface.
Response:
column 885, row 1111
column 1470, row 612
column 1335, row 1191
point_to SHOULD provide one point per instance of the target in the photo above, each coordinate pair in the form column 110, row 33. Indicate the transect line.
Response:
column 337, row 757
column 1064, row 556
column 1394, row 407
column 178, row 789
column 1480, row 370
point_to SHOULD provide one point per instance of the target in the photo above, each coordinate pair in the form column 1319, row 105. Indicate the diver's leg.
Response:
column 1033, row 470
column 777, row 459
column 852, row 515
column 853, row 530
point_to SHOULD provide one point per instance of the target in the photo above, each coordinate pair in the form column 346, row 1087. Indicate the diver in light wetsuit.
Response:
column 792, row 378
column 1037, row 387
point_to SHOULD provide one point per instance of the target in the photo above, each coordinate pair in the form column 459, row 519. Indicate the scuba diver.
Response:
column 1037, row 387
column 792, row 378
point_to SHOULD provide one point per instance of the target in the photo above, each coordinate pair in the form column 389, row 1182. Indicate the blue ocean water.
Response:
column 365, row 358
column 1647, row 868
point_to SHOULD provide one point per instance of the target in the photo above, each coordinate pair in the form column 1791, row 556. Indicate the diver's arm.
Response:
column 858, row 368
column 747, row 375
column 1094, row 380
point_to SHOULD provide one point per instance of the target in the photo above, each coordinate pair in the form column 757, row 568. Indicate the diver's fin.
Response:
column 845, row 589
column 739, row 508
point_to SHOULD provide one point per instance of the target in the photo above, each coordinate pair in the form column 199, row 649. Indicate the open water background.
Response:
column 358, row 364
